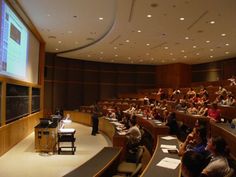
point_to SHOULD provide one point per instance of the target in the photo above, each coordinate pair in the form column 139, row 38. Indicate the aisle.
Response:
column 23, row 161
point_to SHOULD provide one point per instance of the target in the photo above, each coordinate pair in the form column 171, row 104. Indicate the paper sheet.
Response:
column 170, row 163
column 168, row 138
column 165, row 146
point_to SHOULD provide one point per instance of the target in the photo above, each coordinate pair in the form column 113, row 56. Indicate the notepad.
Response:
column 170, row 163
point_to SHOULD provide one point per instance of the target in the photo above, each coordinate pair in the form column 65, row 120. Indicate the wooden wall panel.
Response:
column 173, row 75
column 91, row 93
column 75, row 96
column 14, row 132
column 90, row 81
column 107, row 91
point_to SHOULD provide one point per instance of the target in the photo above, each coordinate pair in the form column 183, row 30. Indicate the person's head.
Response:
column 214, row 105
column 201, row 134
column 133, row 121
column 216, row 145
column 192, row 164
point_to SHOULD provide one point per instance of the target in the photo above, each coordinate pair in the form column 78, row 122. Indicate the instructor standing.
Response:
column 95, row 121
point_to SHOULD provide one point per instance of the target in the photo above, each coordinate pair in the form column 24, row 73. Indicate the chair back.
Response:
column 139, row 154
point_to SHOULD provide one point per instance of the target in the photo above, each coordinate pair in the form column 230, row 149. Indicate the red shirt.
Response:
column 214, row 113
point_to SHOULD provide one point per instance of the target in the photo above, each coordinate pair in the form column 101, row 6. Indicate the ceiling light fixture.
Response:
column 211, row 56
column 181, row 18
column 147, row 44
column 211, row 50
column 115, row 48
column 208, row 41
column 182, row 51
column 226, row 53
column 139, row 31
column 194, row 46
column 100, row 18
column 149, row 16
column 223, row 34
column 227, row 44
column 187, row 37
column 127, row 40
column 197, row 53
column 166, row 47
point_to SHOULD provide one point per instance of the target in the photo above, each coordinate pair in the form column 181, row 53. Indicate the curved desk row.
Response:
column 153, row 170
column 102, row 164
column 229, row 134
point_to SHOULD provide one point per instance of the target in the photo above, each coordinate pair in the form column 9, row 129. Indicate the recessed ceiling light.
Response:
column 166, row 47
column 101, row 52
column 194, row 46
column 226, row 53
column 227, row 44
column 147, row 44
column 171, row 53
column 149, row 16
column 211, row 56
column 56, row 49
column 139, row 31
column 181, row 18
column 186, row 37
column 212, row 22
column 208, row 41
column 147, row 53
column 89, row 55
column 129, row 58
column 152, row 59
column 182, row 51
column 100, row 18
column 211, row 50
column 185, row 56
column 173, row 59
column 197, row 53
column 59, row 42
column 115, row 48
column 127, row 40
column 223, row 34
column 116, row 55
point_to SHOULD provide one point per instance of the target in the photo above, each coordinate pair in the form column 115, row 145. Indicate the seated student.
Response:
column 195, row 141
column 192, row 109
column 218, row 165
column 214, row 113
column 133, row 135
column 192, row 164
column 172, row 123
column 203, row 110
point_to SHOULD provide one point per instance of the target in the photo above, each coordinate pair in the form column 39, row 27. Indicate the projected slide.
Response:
column 14, row 42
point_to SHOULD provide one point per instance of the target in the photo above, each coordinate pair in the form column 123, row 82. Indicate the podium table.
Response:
column 66, row 140
column 45, row 137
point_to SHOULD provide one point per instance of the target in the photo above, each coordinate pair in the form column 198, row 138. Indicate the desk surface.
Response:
column 97, row 164
column 152, row 170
